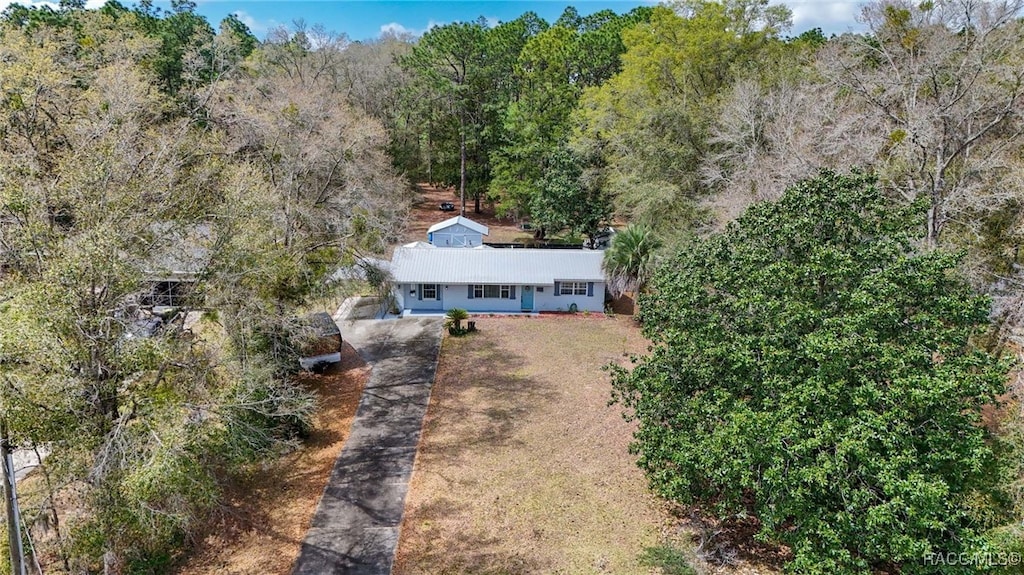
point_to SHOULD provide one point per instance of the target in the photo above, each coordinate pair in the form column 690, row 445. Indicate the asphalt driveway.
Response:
column 355, row 527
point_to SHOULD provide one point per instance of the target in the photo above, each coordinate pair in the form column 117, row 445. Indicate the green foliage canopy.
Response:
column 566, row 200
column 811, row 368
column 553, row 68
column 650, row 121
column 628, row 262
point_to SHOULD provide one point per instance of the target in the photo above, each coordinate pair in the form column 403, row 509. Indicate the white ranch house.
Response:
column 457, row 232
column 430, row 279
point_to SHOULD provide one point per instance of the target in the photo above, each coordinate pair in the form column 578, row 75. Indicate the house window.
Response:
column 540, row 289
column 492, row 291
column 572, row 288
column 429, row 291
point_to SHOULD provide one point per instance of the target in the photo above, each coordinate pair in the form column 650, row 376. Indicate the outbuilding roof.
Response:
column 495, row 266
column 419, row 245
column 480, row 228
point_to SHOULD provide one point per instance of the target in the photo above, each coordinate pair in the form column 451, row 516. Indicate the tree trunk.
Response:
column 11, row 503
column 933, row 235
column 430, row 150
column 462, row 164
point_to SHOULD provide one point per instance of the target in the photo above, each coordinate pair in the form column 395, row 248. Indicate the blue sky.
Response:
column 364, row 19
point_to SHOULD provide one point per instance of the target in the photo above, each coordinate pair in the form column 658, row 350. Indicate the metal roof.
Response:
column 495, row 266
column 458, row 220
column 180, row 250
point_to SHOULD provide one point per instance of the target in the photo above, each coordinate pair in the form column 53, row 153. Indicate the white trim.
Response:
column 576, row 288
column 436, row 288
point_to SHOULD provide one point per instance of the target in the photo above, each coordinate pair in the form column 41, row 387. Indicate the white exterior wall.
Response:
column 456, row 236
column 548, row 301
column 409, row 295
column 457, row 295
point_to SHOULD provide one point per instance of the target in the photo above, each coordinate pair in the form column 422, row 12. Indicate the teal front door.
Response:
column 527, row 298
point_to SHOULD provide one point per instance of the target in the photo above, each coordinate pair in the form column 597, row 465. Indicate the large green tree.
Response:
column 813, row 368
column 651, row 121
column 553, row 68
column 536, row 122
column 449, row 61
column 568, row 199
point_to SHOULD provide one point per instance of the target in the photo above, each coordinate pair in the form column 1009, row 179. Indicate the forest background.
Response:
column 135, row 140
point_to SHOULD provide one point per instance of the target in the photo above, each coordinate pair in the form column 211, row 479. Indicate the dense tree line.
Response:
column 813, row 369
column 817, row 365
column 127, row 132
column 135, row 144
column 679, row 116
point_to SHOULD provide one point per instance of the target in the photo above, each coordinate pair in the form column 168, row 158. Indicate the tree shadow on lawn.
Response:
column 455, row 551
column 478, row 401
column 479, row 396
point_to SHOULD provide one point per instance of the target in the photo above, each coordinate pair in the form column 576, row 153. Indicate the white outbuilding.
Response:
column 457, row 232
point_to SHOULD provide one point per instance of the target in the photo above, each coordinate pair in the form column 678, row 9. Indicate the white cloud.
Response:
column 400, row 29
column 89, row 4
column 5, row 3
column 397, row 29
column 257, row 27
column 832, row 16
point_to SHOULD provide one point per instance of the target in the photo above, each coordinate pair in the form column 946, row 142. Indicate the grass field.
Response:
column 523, row 466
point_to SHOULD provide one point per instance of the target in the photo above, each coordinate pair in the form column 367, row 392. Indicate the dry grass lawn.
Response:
column 523, row 466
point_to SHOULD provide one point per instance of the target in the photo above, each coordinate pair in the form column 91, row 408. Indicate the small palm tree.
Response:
column 453, row 319
column 628, row 261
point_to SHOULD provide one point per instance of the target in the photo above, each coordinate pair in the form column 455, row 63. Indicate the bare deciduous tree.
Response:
column 947, row 77
column 768, row 138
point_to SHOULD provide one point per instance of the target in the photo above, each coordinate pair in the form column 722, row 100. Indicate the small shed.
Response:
column 457, row 232
column 319, row 341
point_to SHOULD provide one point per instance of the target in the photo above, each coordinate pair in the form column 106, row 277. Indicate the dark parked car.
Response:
column 447, row 207
column 602, row 239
